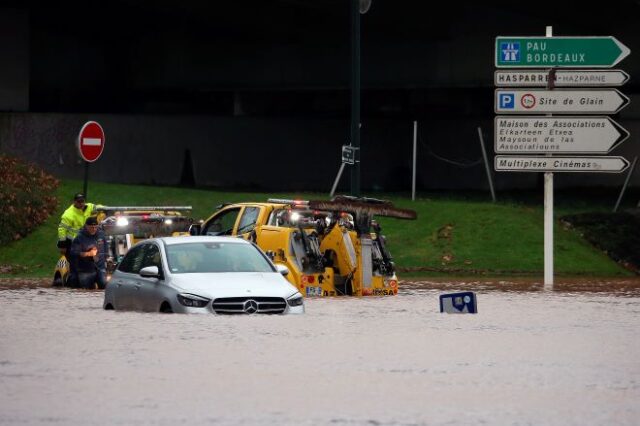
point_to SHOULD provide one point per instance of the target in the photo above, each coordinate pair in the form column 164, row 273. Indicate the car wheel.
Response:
column 108, row 307
column 165, row 308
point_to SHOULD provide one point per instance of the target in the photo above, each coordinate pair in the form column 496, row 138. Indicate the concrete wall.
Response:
column 275, row 154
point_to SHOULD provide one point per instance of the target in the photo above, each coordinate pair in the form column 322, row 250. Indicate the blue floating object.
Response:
column 459, row 303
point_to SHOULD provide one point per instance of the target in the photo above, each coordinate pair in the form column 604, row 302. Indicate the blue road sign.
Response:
column 506, row 100
column 510, row 52
column 459, row 303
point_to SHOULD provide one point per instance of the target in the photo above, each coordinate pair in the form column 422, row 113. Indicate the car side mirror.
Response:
column 282, row 269
column 150, row 272
column 195, row 229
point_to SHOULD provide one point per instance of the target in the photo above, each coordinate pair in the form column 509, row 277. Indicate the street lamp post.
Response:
column 357, row 7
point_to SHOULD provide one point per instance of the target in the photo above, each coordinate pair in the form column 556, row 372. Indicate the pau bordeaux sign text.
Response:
column 573, row 52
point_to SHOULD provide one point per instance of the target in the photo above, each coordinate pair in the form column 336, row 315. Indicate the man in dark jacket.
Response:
column 89, row 255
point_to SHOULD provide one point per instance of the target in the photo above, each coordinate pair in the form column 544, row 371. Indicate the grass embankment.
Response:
column 616, row 233
column 478, row 237
column 453, row 235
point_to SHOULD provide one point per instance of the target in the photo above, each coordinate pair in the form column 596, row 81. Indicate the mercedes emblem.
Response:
column 250, row 306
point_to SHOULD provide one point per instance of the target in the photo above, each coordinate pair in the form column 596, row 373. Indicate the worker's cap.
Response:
column 91, row 220
column 79, row 196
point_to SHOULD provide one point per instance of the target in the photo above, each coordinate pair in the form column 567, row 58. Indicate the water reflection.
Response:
column 629, row 287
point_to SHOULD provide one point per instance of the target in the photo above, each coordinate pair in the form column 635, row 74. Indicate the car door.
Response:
column 247, row 222
column 125, row 279
column 222, row 223
column 149, row 294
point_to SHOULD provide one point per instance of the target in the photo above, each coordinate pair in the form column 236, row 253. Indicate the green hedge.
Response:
column 26, row 198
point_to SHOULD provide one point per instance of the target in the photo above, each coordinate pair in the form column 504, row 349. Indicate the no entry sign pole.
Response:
column 86, row 178
column 90, row 146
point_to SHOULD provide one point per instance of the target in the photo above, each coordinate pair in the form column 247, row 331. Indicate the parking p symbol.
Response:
column 506, row 100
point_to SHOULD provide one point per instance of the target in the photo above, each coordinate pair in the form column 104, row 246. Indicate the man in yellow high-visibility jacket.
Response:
column 72, row 221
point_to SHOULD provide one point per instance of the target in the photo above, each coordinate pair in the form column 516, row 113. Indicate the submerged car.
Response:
column 217, row 275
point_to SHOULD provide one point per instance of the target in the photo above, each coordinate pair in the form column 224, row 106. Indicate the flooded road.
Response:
column 530, row 356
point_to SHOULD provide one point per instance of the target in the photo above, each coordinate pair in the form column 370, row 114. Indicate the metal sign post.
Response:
column 415, row 149
column 86, row 178
column 626, row 182
column 548, row 213
column 486, row 164
column 551, row 135
column 355, row 92
column 335, row 183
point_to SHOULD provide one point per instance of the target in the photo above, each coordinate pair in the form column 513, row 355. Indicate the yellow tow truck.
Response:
column 124, row 226
column 331, row 247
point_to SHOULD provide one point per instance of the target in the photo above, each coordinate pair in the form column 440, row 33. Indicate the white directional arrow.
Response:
column 563, row 78
column 512, row 163
column 557, row 135
column 560, row 101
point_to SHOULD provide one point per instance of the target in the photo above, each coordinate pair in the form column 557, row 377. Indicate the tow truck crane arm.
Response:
column 367, row 206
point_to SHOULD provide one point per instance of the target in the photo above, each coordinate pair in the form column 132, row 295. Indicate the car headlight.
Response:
column 295, row 300
column 122, row 221
column 192, row 301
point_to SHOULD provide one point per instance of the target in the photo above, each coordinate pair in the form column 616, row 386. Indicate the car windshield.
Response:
column 203, row 257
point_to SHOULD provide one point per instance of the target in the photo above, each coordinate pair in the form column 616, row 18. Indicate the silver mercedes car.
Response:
column 220, row 275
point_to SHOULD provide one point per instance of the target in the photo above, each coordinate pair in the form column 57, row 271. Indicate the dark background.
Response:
column 256, row 94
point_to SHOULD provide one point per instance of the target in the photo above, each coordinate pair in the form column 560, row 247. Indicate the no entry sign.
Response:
column 91, row 141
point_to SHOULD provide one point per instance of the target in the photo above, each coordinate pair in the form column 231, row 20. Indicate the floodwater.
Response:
column 570, row 356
